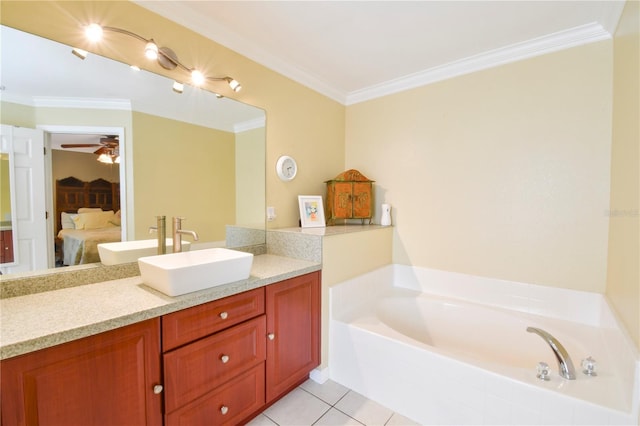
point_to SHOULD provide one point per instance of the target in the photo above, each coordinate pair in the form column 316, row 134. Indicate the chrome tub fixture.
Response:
column 565, row 365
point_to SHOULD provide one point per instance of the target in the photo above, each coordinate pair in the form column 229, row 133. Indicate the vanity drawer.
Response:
column 194, row 323
column 198, row 368
column 227, row 405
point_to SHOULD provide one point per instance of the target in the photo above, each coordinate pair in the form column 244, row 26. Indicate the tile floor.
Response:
column 327, row 404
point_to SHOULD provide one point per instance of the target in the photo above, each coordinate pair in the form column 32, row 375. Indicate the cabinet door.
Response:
column 106, row 379
column 342, row 200
column 293, row 332
column 362, row 200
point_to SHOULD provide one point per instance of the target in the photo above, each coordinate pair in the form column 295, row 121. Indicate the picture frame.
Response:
column 311, row 211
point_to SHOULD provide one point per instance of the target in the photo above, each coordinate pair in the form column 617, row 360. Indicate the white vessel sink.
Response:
column 130, row 251
column 179, row 273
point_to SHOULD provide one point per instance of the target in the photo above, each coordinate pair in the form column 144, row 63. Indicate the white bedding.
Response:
column 80, row 246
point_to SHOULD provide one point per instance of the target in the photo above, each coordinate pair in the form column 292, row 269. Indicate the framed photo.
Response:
column 311, row 211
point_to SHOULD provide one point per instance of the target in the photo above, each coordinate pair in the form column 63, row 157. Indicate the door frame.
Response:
column 106, row 130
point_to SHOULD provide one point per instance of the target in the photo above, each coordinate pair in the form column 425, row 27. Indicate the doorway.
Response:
column 79, row 158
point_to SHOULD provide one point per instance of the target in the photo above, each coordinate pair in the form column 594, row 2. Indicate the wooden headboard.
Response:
column 72, row 194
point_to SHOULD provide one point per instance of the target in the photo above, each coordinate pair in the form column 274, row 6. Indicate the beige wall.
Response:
column 501, row 173
column 250, row 172
column 301, row 123
column 623, row 278
column 181, row 169
column 83, row 166
column 5, row 189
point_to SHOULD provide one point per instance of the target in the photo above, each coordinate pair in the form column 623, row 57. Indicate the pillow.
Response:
column 66, row 219
column 89, row 209
column 94, row 220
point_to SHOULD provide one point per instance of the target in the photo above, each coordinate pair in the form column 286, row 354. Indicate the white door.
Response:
column 26, row 147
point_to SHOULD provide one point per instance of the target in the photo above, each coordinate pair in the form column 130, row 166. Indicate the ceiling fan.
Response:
column 108, row 148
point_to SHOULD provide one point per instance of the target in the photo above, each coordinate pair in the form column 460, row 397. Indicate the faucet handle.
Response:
column 543, row 371
column 589, row 366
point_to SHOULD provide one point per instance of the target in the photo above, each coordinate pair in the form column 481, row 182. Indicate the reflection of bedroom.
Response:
column 87, row 212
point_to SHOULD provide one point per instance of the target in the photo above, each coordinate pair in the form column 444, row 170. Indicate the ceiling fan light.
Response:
column 82, row 54
column 93, row 32
column 151, row 50
column 104, row 158
column 116, row 159
column 178, row 87
column 197, row 77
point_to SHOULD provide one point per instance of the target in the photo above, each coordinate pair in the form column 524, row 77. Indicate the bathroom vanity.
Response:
column 191, row 360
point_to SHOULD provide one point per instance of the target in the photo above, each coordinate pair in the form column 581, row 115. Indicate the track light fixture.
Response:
column 165, row 57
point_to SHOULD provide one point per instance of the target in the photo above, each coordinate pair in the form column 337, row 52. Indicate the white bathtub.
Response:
column 445, row 348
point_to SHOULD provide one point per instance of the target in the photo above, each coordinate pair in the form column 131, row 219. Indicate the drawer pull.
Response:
column 157, row 389
column 223, row 315
column 224, row 410
column 271, row 336
column 224, row 359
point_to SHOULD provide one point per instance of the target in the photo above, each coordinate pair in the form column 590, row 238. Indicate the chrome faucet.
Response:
column 565, row 365
column 161, row 230
column 177, row 234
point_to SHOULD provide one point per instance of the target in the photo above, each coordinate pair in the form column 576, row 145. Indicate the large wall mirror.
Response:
column 191, row 154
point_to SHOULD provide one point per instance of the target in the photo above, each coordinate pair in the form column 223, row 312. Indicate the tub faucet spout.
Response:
column 565, row 365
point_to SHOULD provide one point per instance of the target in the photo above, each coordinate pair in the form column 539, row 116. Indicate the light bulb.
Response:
column 93, row 32
column 178, row 87
column 104, row 158
column 151, row 50
column 82, row 54
column 197, row 77
column 235, row 85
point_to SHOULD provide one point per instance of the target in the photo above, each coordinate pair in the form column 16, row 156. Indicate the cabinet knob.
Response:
column 224, row 359
column 157, row 389
column 224, row 410
column 223, row 315
column 271, row 336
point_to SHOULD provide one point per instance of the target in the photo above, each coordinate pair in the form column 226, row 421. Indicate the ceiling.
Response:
column 352, row 51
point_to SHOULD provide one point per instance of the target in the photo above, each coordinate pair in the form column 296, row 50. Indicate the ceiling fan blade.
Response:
column 102, row 150
column 109, row 140
column 79, row 145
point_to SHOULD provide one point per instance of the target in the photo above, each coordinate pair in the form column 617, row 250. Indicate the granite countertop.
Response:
column 41, row 320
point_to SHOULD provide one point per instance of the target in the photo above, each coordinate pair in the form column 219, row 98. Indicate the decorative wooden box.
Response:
column 349, row 196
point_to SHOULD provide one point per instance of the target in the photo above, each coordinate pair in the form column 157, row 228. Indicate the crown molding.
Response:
column 249, row 125
column 57, row 102
column 577, row 36
column 90, row 103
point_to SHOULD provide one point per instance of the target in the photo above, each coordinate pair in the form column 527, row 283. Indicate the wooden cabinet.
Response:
column 214, row 360
column 293, row 332
column 222, row 362
column 6, row 246
column 106, row 379
column 349, row 196
column 228, row 369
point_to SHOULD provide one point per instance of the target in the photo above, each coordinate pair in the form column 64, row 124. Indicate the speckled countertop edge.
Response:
column 41, row 320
